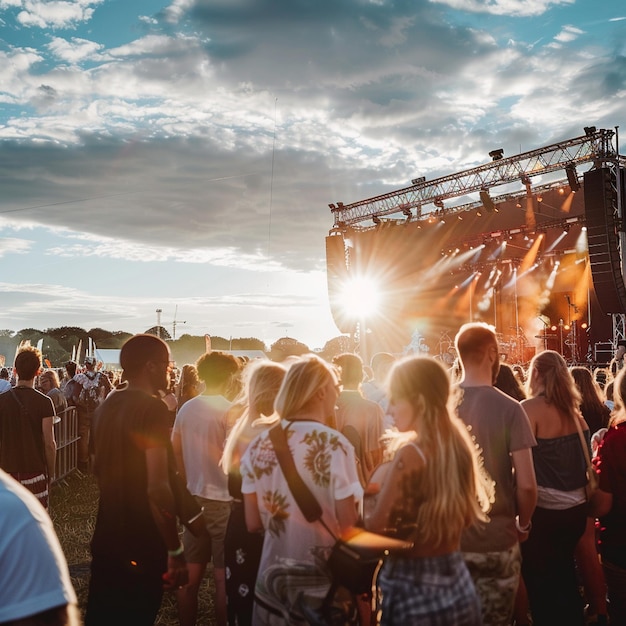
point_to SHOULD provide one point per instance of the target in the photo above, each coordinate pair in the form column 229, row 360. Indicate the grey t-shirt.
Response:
column 500, row 426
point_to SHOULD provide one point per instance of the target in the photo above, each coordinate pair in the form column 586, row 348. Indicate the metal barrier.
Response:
column 66, row 435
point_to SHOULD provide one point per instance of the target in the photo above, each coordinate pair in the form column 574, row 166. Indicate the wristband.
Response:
column 177, row 552
column 525, row 529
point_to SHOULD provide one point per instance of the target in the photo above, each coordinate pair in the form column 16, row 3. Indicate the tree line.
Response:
column 60, row 343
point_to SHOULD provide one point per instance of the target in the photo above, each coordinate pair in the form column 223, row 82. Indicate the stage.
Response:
column 540, row 261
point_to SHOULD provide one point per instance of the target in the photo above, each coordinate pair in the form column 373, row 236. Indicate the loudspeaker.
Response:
column 603, row 227
column 336, row 276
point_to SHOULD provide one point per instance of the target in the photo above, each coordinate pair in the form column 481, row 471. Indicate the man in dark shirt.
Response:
column 135, row 546
column 27, row 445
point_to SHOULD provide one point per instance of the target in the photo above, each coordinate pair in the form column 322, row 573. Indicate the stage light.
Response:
column 590, row 130
column 438, row 202
column 572, row 178
column 561, row 191
column 518, row 204
column 525, row 179
column 407, row 213
column 331, row 206
column 485, row 198
column 376, row 220
column 584, row 326
column 539, row 198
column 496, row 155
column 417, row 181
column 340, row 205
column 360, row 297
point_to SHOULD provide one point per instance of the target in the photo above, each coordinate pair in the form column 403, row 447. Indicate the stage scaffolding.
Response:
column 418, row 227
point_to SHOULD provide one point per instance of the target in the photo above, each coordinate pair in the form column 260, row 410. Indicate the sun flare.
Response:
column 361, row 297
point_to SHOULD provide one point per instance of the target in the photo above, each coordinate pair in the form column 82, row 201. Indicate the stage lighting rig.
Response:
column 417, row 181
column 496, row 155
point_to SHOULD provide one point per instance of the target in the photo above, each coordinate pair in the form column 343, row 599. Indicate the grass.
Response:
column 73, row 506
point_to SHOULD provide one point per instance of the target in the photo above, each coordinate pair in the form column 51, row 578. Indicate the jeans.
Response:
column 548, row 566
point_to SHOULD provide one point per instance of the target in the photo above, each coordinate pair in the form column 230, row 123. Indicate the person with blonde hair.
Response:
column 433, row 489
column 559, row 519
column 292, row 569
column 49, row 384
column 242, row 550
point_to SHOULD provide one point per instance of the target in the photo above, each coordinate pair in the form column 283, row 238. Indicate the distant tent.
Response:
column 110, row 358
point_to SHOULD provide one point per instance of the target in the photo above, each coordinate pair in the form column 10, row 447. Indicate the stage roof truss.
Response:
column 595, row 147
column 459, row 209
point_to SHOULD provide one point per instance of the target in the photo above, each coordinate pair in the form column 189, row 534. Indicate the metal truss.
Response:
column 595, row 146
column 619, row 328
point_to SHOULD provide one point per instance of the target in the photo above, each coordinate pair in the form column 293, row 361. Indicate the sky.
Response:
column 181, row 155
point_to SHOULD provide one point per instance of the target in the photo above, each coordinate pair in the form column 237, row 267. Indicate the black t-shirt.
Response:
column 128, row 423
column 22, row 447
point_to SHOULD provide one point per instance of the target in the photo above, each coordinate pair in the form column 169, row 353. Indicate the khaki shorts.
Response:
column 203, row 549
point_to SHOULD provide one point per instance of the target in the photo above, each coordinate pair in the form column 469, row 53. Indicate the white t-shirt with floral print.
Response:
column 294, row 550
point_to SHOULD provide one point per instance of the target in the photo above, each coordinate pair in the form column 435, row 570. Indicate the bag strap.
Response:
column 307, row 502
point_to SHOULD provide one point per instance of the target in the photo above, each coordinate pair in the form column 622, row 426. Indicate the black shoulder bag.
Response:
column 354, row 560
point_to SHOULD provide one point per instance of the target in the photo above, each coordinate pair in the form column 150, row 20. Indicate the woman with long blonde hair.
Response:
column 559, row 519
column 432, row 490
column 261, row 382
column 292, row 571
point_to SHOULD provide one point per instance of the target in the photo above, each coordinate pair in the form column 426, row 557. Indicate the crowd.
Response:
column 507, row 487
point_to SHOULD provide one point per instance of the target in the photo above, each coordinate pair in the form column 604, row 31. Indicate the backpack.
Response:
column 89, row 396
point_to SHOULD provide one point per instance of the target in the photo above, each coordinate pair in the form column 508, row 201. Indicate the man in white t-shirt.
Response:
column 198, row 440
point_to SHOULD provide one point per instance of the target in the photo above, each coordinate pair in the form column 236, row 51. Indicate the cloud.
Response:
column 10, row 245
column 512, row 8
column 73, row 50
column 213, row 139
column 51, row 13
column 567, row 35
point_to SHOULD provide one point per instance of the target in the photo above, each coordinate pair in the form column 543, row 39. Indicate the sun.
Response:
column 361, row 297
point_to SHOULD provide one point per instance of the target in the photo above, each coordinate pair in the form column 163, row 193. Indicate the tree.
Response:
column 248, row 343
column 159, row 331
column 187, row 349
column 68, row 336
column 285, row 347
column 335, row 346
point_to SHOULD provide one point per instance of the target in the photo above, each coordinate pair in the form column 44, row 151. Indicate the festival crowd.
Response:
column 483, row 494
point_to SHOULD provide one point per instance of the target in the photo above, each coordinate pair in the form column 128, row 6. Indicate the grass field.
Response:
column 73, row 506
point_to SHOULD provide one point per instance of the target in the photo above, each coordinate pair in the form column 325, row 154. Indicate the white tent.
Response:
column 110, row 358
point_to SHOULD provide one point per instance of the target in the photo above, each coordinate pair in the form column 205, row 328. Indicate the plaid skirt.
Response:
column 435, row 591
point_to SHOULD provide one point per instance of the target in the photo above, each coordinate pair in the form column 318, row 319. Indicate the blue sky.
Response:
column 181, row 155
